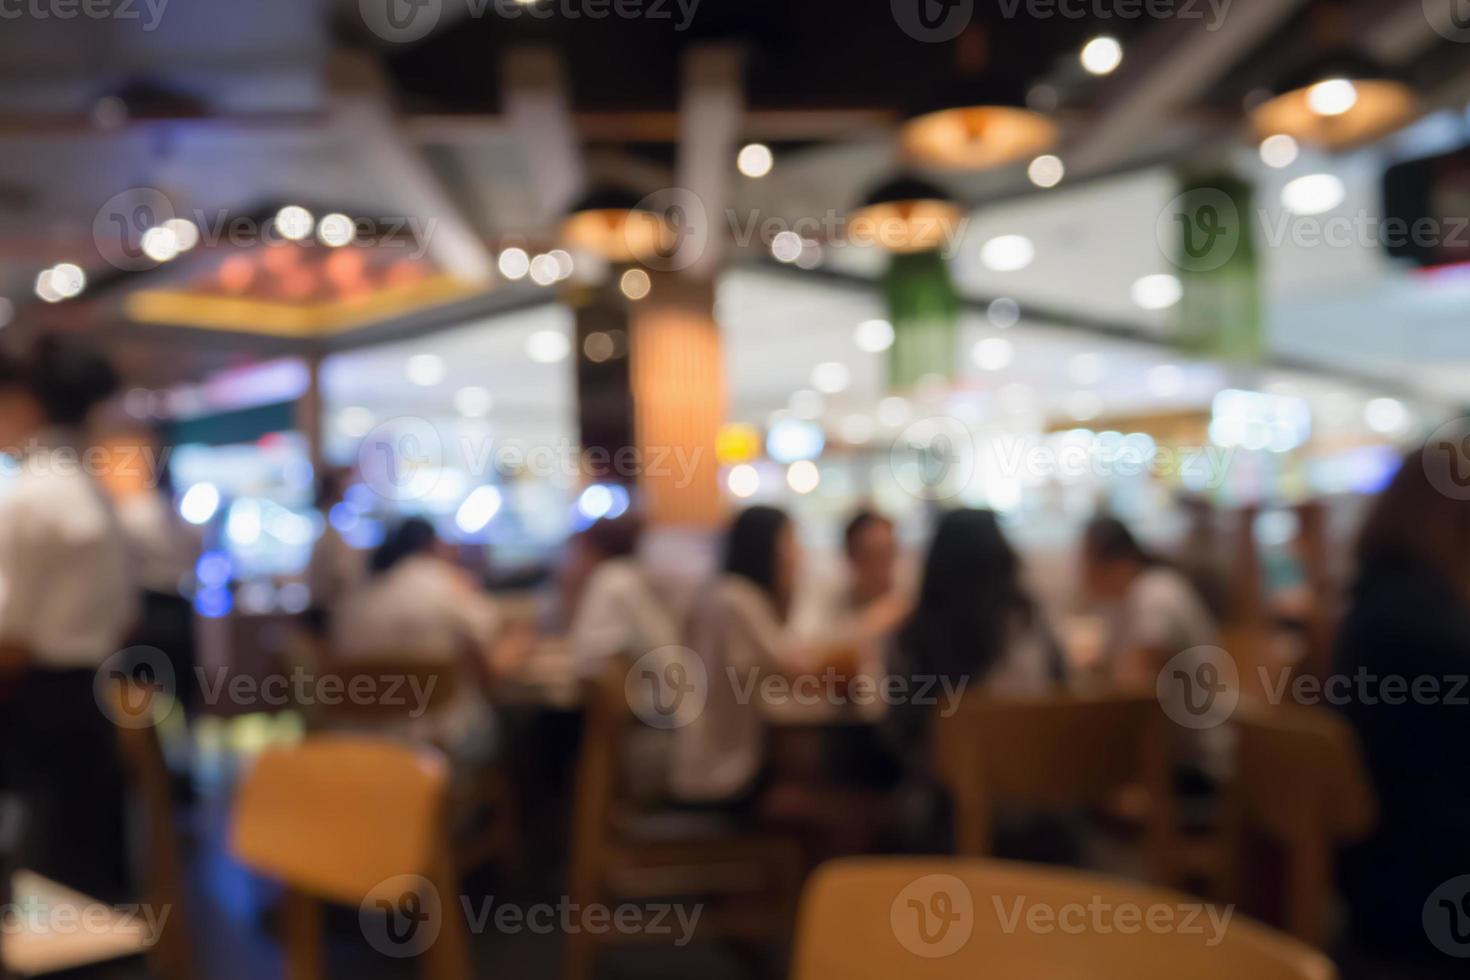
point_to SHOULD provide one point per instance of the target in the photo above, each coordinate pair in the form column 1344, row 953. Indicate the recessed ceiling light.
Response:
column 755, row 160
column 635, row 284
column 294, row 222
column 1102, row 55
column 1313, row 194
column 1008, row 253
column 548, row 346
column 1279, row 151
column 514, row 263
column 1157, row 292
column 1046, row 171
column 873, row 336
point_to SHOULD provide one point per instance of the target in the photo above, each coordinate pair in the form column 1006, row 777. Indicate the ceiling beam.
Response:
column 1185, row 63
column 366, row 130
column 538, row 112
column 711, row 104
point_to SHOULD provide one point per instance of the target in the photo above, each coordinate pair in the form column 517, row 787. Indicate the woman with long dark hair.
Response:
column 738, row 630
column 1408, row 622
column 66, row 605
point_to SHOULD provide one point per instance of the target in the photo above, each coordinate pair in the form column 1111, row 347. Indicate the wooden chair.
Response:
column 1057, row 751
column 337, row 819
column 958, row 919
column 1300, row 783
column 171, row 956
column 748, row 884
column 481, row 809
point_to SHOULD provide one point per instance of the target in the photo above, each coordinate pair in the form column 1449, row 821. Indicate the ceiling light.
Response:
column 1341, row 99
column 1313, row 194
column 185, row 232
column 831, row 377
column 905, row 214
column 544, row 270
column 1102, row 55
column 613, row 223
column 1007, row 253
column 754, row 160
column 160, row 244
column 744, row 480
column 294, row 222
column 980, row 122
column 548, row 346
column 1157, row 292
column 514, row 263
column 1333, row 97
column 803, row 476
column 635, row 284
column 1046, row 170
column 336, row 230
column 873, row 336
column 786, row 246
column 1279, row 151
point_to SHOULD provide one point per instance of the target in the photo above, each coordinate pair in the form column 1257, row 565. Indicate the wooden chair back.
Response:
column 956, row 919
column 338, row 818
column 1055, row 751
column 172, row 956
column 605, row 723
column 1300, row 782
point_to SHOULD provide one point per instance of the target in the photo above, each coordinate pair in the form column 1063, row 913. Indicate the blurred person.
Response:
column 417, row 605
column 1155, row 612
column 1408, row 619
column 738, row 622
column 618, row 611
column 335, row 567
column 974, row 625
column 162, row 552
column 67, row 603
column 1154, row 615
column 830, row 611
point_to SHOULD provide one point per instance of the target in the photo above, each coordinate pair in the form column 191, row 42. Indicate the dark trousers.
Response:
column 60, row 759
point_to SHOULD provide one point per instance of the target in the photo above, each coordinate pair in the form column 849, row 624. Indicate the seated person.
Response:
column 617, row 611
column 974, row 625
column 418, row 606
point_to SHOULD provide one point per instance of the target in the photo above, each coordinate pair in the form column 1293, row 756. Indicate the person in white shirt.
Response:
column 618, row 611
column 419, row 606
column 66, row 606
column 1156, row 615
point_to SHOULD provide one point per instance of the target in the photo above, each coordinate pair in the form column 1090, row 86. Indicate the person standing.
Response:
column 66, row 605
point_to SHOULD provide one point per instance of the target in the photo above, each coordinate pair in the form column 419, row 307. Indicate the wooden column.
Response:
column 678, row 380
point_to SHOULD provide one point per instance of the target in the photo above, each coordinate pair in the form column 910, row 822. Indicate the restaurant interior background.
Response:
column 521, row 265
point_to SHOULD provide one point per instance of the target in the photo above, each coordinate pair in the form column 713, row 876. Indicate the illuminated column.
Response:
column 678, row 384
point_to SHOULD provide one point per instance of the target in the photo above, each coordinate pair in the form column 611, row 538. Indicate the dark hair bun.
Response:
column 70, row 381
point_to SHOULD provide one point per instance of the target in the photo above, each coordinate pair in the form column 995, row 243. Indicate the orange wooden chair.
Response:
column 1301, row 784
column 748, row 884
column 961, row 919
column 1057, row 751
column 357, row 821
